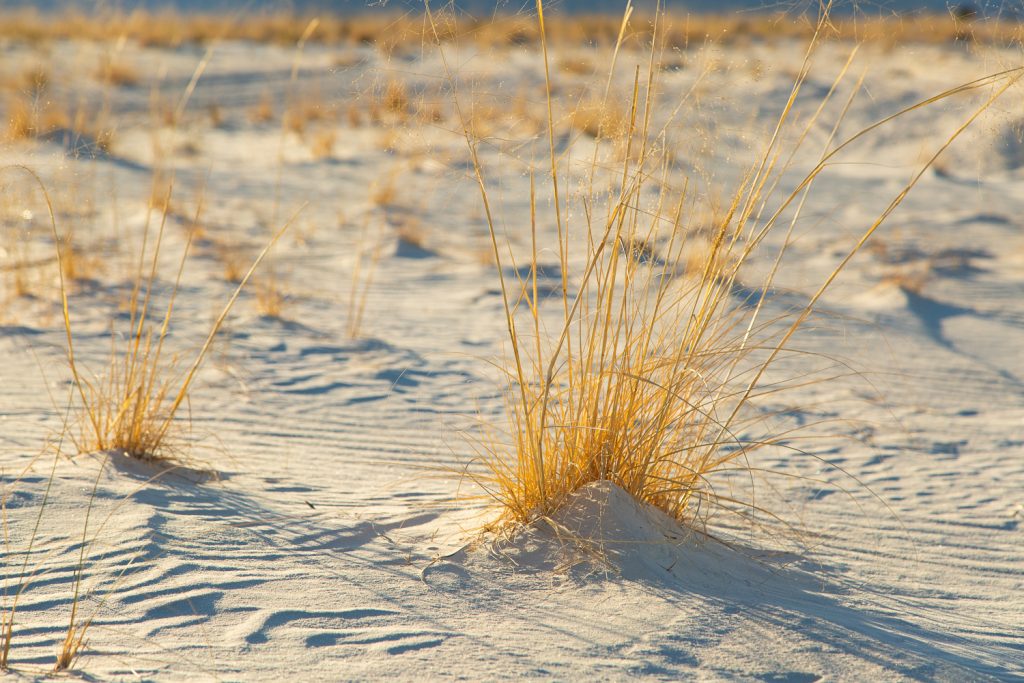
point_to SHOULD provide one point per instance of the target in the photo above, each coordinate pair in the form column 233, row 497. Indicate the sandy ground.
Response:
column 330, row 547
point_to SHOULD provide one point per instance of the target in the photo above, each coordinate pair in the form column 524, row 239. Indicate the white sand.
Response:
column 328, row 551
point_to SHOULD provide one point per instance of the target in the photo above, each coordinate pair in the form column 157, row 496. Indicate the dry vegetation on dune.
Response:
column 392, row 31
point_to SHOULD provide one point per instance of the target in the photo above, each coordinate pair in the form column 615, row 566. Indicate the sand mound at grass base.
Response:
column 603, row 531
column 634, row 538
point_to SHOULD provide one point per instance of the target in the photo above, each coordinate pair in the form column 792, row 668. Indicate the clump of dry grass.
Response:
column 78, row 264
column 649, row 380
column 912, row 281
column 262, row 111
column 600, row 119
column 29, row 116
column 353, row 116
column 117, row 72
column 270, row 297
column 394, row 98
column 429, row 112
column 231, row 258
column 131, row 407
column 577, row 65
column 410, row 230
column 322, row 145
column 21, row 119
column 384, row 191
column 306, row 110
column 216, row 114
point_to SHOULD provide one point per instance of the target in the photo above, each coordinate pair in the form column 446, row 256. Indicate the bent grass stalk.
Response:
column 650, row 378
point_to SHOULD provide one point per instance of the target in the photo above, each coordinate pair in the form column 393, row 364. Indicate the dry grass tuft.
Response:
column 384, row 190
column 78, row 265
column 308, row 110
column 647, row 379
column 118, row 73
column 216, row 114
column 353, row 116
column 263, row 111
column 270, row 298
column 35, row 79
column 131, row 407
column 73, row 645
column 577, row 65
column 232, row 260
column 395, row 97
column 600, row 119
column 160, row 191
column 410, row 230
